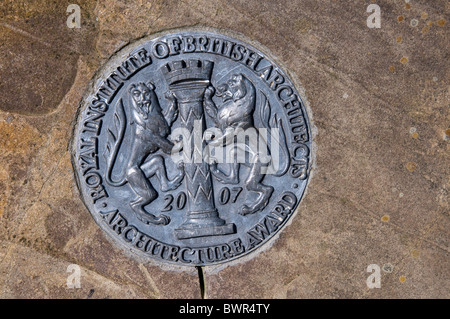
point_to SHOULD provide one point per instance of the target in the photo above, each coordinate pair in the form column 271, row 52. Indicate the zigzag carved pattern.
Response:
column 198, row 170
column 190, row 114
column 199, row 190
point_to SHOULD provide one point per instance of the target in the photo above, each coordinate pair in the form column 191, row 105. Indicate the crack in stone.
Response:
column 201, row 281
column 33, row 37
column 150, row 280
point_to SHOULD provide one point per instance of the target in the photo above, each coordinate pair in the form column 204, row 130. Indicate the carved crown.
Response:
column 187, row 71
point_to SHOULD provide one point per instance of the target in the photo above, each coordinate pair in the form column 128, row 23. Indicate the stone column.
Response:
column 188, row 80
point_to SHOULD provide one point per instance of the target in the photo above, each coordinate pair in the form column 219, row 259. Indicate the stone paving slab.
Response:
column 378, row 99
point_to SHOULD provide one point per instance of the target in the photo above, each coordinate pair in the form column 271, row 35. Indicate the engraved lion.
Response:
column 150, row 128
column 238, row 96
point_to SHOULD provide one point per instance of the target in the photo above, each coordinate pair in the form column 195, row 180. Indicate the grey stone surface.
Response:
column 379, row 190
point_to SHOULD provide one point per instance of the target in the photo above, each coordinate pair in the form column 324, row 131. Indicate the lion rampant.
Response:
column 236, row 112
column 150, row 128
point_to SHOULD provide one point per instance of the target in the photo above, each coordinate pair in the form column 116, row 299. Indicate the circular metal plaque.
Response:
column 192, row 148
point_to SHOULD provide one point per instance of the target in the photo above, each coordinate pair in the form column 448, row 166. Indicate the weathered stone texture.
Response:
column 379, row 190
